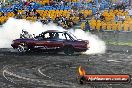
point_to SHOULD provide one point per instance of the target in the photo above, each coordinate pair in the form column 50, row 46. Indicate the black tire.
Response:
column 22, row 48
column 68, row 50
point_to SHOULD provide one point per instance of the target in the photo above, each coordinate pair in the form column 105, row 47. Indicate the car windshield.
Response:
column 74, row 37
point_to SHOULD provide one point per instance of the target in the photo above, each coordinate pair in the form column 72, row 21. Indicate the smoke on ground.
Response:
column 13, row 27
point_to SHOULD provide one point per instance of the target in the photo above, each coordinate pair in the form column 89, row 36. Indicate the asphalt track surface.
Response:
column 42, row 70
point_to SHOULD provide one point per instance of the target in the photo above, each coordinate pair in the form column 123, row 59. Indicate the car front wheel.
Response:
column 68, row 50
column 22, row 48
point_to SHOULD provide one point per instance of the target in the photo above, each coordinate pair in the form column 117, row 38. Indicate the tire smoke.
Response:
column 13, row 27
column 97, row 46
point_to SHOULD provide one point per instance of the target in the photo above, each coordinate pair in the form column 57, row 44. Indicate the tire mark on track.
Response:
column 44, row 82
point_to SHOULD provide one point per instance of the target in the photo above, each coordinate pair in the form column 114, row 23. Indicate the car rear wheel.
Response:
column 22, row 49
column 68, row 50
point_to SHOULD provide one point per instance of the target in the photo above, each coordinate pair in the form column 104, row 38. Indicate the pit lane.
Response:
column 40, row 70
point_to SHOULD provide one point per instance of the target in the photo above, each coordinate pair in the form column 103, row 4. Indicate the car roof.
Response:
column 54, row 31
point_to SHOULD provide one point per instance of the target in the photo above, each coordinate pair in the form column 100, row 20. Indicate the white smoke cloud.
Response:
column 97, row 46
column 13, row 27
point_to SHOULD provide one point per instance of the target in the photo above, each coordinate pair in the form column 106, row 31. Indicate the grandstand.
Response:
column 103, row 15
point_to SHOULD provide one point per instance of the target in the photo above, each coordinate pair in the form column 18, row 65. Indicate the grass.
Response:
column 119, row 43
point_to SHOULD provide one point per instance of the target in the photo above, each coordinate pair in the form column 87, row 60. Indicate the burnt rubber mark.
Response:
column 10, row 74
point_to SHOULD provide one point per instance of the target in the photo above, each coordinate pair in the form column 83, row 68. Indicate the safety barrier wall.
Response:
column 117, row 41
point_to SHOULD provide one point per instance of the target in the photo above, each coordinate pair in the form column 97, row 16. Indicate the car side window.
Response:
column 47, row 35
column 51, row 36
column 62, row 36
column 55, row 36
column 67, row 37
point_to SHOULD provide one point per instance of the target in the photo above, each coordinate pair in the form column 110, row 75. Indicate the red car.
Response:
column 52, row 40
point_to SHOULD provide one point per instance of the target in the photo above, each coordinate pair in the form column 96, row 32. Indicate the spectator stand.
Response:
column 67, row 14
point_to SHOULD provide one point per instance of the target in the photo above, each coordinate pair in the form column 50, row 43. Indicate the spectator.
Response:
column 2, row 13
column 19, row 16
column 87, row 26
column 97, row 16
column 62, row 2
column 130, row 11
column 0, row 4
column 38, row 15
column 15, row 10
column 122, row 18
column 26, row 3
column 32, row 3
column 116, row 18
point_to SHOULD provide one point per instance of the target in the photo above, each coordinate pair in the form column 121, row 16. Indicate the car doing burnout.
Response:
column 52, row 40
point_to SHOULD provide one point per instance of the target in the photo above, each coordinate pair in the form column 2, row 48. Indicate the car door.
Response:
column 55, row 42
column 40, row 43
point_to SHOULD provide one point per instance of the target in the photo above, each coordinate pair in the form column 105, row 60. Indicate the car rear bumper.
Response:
column 14, row 46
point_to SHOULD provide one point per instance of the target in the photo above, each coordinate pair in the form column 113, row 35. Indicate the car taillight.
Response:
column 87, row 41
column 13, row 42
